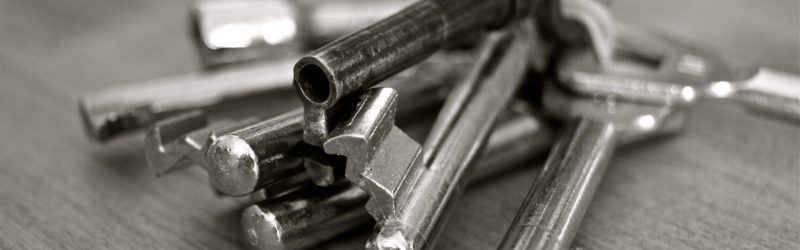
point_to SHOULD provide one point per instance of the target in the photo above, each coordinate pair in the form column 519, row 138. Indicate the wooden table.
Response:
column 732, row 180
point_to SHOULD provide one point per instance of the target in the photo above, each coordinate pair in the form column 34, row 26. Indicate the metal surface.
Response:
column 183, row 139
column 234, row 31
column 112, row 112
column 240, row 161
column 652, row 68
column 409, row 199
column 558, row 199
column 362, row 59
column 244, row 160
column 313, row 215
column 763, row 90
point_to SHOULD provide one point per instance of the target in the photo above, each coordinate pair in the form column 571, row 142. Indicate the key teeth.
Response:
column 361, row 139
column 354, row 148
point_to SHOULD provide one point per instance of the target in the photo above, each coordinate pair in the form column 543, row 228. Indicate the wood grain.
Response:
column 731, row 180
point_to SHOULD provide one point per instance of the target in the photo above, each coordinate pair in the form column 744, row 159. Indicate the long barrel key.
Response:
column 112, row 112
column 237, row 158
column 555, row 205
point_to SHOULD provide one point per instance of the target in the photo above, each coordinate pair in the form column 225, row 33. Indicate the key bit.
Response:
column 653, row 68
column 369, row 130
column 312, row 215
column 407, row 197
column 362, row 59
column 235, row 31
column 558, row 199
column 123, row 109
column 238, row 157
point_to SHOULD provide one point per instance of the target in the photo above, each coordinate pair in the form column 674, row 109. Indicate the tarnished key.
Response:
column 408, row 197
column 109, row 113
column 312, row 215
column 653, row 68
column 183, row 139
column 234, row 31
column 362, row 59
column 236, row 159
column 555, row 205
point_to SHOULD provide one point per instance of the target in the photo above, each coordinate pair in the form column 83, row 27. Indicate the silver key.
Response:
column 112, row 112
column 236, row 158
column 183, row 139
column 561, row 193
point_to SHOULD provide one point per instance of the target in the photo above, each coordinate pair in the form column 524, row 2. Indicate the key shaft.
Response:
column 115, row 111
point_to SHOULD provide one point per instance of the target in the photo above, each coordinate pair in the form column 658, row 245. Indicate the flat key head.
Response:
column 645, row 68
column 633, row 121
column 243, row 30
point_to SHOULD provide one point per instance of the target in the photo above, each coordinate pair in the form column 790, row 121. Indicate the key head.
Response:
column 633, row 121
column 244, row 30
column 645, row 67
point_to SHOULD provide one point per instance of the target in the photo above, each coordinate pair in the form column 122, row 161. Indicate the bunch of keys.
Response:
column 342, row 160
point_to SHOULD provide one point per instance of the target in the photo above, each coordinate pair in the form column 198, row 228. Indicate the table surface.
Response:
column 731, row 180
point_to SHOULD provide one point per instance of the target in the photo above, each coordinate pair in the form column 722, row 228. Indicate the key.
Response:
column 652, row 68
column 120, row 110
column 235, row 31
column 313, row 214
column 182, row 140
column 554, row 207
column 360, row 60
column 409, row 198
column 236, row 158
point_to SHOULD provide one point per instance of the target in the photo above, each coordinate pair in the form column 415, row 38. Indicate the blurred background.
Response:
column 732, row 180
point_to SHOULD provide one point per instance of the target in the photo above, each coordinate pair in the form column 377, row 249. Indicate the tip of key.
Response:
column 233, row 166
column 98, row 129
column 393, row 236
column 261, row 230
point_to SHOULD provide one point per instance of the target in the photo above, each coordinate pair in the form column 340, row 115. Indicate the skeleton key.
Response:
column 236, row 158
column 183, row 140
column 112, row 112
column 557, row 201
column 652, row 68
